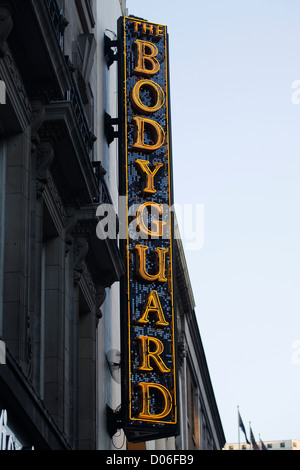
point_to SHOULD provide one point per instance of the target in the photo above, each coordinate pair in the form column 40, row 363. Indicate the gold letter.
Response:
column 155, row 355
column 155, row 89
column 143, row 58
column 136, row 26
column 142, row 220
column 145, row 414
column 147, row 29
column 159, row 30
column 159, row 135
column 141, row 264
column 144, row 166
column 153, row 306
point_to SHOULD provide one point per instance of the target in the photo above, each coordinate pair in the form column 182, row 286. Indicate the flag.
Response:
column 263, row 447
column 253, row 442
column 241, row 425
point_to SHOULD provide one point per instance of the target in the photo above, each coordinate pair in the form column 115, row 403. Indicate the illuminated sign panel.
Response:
column 149, row 397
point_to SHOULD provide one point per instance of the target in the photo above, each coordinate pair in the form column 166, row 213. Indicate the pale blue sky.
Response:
column 236, row 150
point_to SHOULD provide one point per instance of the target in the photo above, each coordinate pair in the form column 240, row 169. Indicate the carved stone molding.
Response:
column 182, row 350
column 87, row 222
column 63, row 23
column 17, row 82
column 6, row 24
column 56, row 202
column 100, row 298
column 96, row 294
column 81, row 249
column 37, row 119
column 70, row 225
column 45, row 155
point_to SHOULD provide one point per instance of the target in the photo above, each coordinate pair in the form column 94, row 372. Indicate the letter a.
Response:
column 153, row 306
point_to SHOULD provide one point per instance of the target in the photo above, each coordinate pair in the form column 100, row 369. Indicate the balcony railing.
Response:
column 58, row 20
column 73, row 95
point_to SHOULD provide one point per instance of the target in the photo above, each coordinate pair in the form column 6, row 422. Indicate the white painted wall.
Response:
column 109, row 390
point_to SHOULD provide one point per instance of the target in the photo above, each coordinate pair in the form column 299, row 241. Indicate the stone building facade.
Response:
column 54, row 269
column 59, row 283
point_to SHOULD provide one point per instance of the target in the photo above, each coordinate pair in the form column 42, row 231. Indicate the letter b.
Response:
column 146, row 62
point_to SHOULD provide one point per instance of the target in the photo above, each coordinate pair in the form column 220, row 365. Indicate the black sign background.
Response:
column 134, row 291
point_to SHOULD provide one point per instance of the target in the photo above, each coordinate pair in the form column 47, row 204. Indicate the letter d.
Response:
column 166, row 398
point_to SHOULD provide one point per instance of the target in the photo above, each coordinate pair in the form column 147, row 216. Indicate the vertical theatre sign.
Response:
column 149, row 398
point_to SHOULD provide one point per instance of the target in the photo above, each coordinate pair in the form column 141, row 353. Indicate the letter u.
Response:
column 141, row 264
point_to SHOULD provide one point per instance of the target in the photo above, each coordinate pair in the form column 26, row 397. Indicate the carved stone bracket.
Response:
column 94, row 293
column 70, row 225
column 37, row 119
column 45, row 155
column 96, row 263
column 81, row 249
column 63, row 23
column 6, row 24
column 182, row 351
column 100, row 298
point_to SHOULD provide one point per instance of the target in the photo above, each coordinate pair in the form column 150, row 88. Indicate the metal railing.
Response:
column 58, row 20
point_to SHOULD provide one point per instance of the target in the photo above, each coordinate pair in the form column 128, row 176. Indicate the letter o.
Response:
column 155, row 89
